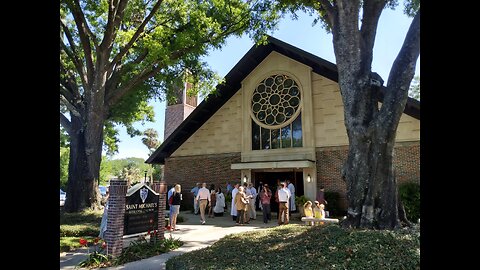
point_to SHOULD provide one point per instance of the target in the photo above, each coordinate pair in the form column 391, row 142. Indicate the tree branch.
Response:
column 69, row 82
column 74, row 53
column 85, row 35
column 66, row 124
column 115, row 16
column 329, row 10
column 401, row 75
column 372, row 9
column 135, row 36
column 147, row 73
column 76, row 62
column 73, row 110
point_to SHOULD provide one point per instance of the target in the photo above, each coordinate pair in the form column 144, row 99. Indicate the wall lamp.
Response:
column 309, row 179
column 245, row 178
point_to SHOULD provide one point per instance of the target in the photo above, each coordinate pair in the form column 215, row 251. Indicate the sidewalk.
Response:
column 192, row 233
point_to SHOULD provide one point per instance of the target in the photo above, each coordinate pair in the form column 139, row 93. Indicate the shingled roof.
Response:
column 232, row 84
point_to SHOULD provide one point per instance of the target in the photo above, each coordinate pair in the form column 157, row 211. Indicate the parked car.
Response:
column 63, row 196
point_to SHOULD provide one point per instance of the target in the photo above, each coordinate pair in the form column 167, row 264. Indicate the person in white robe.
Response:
column 220, row 204
column 291, row 188
column 233, row 210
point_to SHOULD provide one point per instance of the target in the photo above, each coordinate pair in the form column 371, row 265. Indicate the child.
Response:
column 308, row 210
column 319, row 211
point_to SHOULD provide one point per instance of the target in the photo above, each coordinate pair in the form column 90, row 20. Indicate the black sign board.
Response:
column 141, row 209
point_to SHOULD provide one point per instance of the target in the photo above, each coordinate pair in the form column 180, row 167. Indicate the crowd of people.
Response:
column 245, row 201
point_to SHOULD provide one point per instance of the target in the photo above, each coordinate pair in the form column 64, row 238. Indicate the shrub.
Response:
column 334, row 206
column 409, row 194
column 301, row 200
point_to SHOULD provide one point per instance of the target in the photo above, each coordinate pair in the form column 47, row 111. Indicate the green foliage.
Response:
column 69, row 243
column 301, row 200
column 105, row 171
column 118, row 166
column 86, row 223
column 296, row 246
column 411, row 7
column 64, row 158
column 73, row 226
column 409, row 194
column 333, row 206
column 173, row 39
column 96, row 259
column 64, row 138
column 414, row 91
column 143, row 248
column 150, row 139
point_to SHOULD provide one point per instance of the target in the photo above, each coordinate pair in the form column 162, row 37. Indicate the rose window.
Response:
column 275, row 100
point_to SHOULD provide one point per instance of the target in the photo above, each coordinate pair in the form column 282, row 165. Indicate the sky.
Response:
column 392, row 28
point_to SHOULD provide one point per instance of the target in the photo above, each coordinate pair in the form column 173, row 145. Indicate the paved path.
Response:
column 192, row 233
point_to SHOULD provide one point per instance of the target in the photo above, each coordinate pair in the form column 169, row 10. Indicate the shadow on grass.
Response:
column 304, row 247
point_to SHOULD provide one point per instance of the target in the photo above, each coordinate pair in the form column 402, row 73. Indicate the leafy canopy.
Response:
column 146, row 51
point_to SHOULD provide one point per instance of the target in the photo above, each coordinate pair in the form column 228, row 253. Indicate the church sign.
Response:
column 141, row 209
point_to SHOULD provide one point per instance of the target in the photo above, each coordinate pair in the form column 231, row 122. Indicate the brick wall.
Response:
column 212, row 169
column 331, row 159
column 174, row 115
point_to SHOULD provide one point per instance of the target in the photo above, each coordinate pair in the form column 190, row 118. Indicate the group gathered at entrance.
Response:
column 246, row 200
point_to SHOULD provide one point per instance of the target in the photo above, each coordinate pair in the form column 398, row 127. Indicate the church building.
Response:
column 278, row 115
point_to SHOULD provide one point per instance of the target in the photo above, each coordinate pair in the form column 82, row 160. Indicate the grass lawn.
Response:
column 303, row 247
column 74, row 226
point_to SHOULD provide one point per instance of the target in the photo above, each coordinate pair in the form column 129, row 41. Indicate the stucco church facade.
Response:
column 279, row 115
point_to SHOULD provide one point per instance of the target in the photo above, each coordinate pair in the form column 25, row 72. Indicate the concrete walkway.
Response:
column 192, row 233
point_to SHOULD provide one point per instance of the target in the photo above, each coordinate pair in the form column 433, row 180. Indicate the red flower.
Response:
column 83, row 242
column 148, row 231
column 168, row 227
column 95, row 241
column 104, row 245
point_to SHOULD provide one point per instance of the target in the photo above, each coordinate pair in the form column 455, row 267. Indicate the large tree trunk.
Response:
column 84, row 164
column 371, row 183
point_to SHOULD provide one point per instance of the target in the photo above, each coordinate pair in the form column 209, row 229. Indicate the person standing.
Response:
column 241, row 202
column 291, row 188
column 258, row 204
column 229, row 188
column 265, row 196
column 169, row 195
column 283, row 199
column 233, row 210
column 321, row 196
column 252, row 195
column 103, row 223
column 213, row 201
column 203, row 198
column 220, row 205
column 194, row 191
column 175, row 207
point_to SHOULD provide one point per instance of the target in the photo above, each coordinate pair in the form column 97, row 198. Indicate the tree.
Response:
column 151, row 142
column 368, row 171
column 64, row 157
column 414, row 91
column 151, row 139
column 116, row 55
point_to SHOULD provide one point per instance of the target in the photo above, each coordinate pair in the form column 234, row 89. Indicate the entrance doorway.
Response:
column 272, row 178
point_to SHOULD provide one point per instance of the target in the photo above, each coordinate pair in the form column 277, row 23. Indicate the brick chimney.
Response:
column 178, row 110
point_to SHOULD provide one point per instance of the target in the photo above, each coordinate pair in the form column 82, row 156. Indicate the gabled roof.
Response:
column 232, row 84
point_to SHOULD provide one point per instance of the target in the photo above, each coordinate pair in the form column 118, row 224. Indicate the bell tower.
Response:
column 179, row 106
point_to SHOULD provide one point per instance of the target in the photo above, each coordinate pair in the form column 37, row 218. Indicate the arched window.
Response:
column 276, row 114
